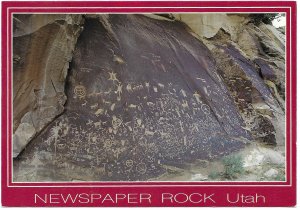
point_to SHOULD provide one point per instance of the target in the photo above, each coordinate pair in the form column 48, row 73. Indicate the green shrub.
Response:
column 280, row 177
column 233, row 166
column 214, row 175
column 266, row 18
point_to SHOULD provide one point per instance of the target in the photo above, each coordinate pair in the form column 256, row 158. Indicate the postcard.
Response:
column 148, row 103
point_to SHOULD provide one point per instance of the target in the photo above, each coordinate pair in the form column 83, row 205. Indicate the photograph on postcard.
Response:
column 149, row 97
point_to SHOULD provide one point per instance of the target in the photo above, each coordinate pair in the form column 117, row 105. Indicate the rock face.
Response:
column 208, row 24
column 141, row 94
column 43, row 46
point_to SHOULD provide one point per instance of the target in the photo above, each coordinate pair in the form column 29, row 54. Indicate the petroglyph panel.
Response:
column 164, row 104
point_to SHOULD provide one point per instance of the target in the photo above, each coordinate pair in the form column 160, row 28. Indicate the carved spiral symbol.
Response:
column 116, row 122
column 129, row 163
column 141, row 168
column 108, row 144
column 206, row 109
column 80, row 91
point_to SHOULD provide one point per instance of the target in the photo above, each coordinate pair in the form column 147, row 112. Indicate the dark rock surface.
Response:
column 142, row 94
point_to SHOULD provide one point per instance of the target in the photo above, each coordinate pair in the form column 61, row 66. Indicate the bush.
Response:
column 266, row 18
column 214, row 175
column 233, row 166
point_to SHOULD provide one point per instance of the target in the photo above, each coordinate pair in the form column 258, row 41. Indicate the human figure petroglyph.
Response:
column 197, row 97
column 185, row 104
column 183, row 93
column 147, row 85
column 89, row 122
column 139, row 122
column 119, row 92
column 181, row 126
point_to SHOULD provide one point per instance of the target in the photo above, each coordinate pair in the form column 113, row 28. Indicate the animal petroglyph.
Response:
column 99, row 112
column 132, row 106
column 161, row 85
column 113, row 77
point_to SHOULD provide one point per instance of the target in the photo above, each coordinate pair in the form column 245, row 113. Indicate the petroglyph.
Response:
column 132, row 106
column 141, row 168
column 85, row 69
column 116, row 122
column 112, row 107
column 197, row 97
column 99, row 112
column 113, row 77
column 203, row 80
column 161, row 85
column 183, row 93
column 137, row 116
column 147, row 85
column 119, row 92
column 185, row 104
column 80, row 91
column 205, row 108
column 129, row 163
column 118, row 59
column 129, row 88
column 139, row 122
column 94, row 106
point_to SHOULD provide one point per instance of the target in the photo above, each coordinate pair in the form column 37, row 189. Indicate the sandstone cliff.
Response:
column 127, row 97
